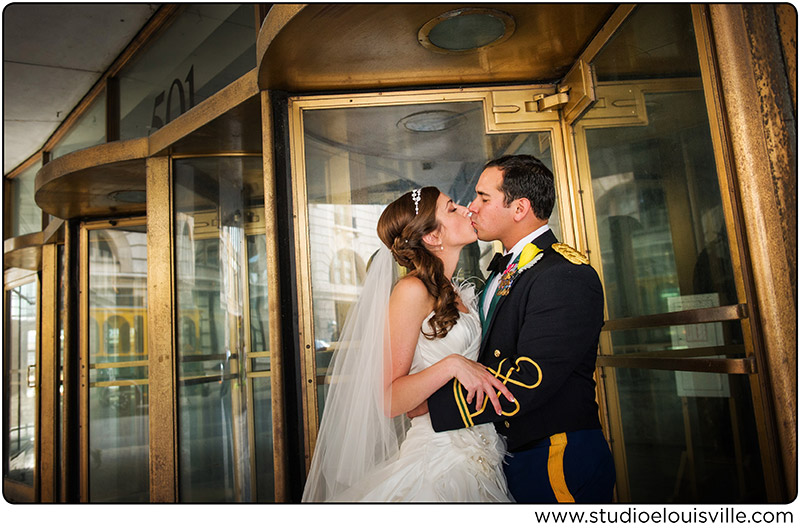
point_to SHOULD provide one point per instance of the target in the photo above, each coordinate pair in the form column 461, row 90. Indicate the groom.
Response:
column 542, row 310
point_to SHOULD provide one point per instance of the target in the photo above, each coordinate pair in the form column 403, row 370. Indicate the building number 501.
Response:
column 157, row 122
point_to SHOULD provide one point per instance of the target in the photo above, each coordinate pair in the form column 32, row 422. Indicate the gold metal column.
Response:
column 763, row 138
column 48, row 375
column 274, row 297
column 161, row 338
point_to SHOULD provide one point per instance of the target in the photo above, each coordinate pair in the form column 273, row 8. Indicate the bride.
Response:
column 403, row 340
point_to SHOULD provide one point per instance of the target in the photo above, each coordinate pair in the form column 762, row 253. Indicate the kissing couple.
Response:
column 438, row 395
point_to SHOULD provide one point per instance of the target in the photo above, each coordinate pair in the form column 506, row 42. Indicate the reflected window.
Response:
column 686, row 437
column 27, row 216
column 19, row 395
column 118, row 393
column 116, row 334
column 358, row 160
column 347, row 268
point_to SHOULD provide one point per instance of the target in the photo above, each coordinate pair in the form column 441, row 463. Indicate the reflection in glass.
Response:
column 118, row 373
column 659, row 210
column 20, row 393
column 90, row 130
column 690, row 437
column 358, row 160
column 207, row 47
column 265, row 468
column 687, row 436
column 257, row 281
column 27, row 216
column 61, row 323
column 220, row 258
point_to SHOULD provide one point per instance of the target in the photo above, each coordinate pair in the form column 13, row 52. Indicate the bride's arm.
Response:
column 409, row 305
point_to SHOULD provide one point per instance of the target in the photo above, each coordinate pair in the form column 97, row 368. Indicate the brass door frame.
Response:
column 164, row 479
column 754, row 359
column 83, row 311
column 506, row 110
column 14, row 489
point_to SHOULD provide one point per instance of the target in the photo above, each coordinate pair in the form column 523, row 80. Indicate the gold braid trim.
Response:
column 570, row 254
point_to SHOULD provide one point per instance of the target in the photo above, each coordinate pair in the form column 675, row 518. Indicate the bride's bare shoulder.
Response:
column 411, row 291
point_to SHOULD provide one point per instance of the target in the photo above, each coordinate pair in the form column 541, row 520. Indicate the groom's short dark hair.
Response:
column 526, row 176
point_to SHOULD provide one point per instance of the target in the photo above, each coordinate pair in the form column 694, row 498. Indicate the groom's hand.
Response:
column 422, row 409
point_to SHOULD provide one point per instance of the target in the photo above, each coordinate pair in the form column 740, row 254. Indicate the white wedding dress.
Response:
column 453, row 466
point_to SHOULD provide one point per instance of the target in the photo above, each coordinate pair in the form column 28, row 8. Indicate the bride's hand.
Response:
column 478, row 382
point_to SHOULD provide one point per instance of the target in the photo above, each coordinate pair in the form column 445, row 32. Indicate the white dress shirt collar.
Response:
column 515, row 251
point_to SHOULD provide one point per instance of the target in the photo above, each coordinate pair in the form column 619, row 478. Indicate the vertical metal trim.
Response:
column 83, row 364
column 70, row 433
column 48, row 374
column 37, row 422
column 273, row 301
column 245, row 373
column 303, row 263
column 607, row 382
column 737, row 134
column 112, row 109
column 161, row 333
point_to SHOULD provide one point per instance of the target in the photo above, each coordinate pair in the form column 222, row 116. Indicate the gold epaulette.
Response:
column 570, row 254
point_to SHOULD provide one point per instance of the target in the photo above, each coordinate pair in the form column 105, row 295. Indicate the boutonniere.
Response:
column 530, row 255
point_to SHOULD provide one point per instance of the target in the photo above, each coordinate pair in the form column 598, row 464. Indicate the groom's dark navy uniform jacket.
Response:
column 541, row 340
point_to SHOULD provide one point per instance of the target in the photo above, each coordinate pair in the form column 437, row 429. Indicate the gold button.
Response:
column 507, row 425
column 496, row 353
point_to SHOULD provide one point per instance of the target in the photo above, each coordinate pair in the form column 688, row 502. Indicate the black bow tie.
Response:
column 499, row 263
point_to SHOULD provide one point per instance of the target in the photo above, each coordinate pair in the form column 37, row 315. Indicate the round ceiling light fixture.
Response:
column 466, row 30
column 431, row 121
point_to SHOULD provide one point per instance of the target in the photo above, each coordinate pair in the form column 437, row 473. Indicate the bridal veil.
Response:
column 355, row 435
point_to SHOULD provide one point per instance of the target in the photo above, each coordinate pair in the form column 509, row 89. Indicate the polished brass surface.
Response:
column 92, row 182
column 354, row 46
column 83, row 364
column 509, row 26
column 83, row 183
column 277, row 17
column 161, row 333
column 759, row 138
column 24, row 252
column 730, row 351
column 733, row 366
column 273, row 299
column 683, row 317
column 54, row 232
column 48, row 375
column 786, row 15
column 737, row 238
column 579, row 83
column 69, row 425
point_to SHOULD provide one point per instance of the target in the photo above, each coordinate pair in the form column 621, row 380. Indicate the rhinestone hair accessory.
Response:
column 416, row 195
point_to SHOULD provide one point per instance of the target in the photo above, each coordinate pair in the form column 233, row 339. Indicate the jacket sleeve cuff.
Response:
column 449, row 409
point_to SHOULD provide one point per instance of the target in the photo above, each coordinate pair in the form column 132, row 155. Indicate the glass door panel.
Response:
column 657, row 234
column 19, row 400
column 356, row 160
column 225, row 404
column 118, row 450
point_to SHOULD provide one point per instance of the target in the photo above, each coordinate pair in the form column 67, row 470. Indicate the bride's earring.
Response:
column 441, row 247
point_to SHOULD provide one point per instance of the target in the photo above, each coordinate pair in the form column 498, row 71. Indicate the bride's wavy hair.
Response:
column 401, row 229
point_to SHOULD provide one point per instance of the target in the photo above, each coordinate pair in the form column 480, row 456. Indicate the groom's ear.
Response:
column 522, row 206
